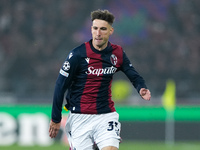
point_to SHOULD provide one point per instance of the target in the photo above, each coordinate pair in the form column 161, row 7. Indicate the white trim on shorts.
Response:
column 108, row 142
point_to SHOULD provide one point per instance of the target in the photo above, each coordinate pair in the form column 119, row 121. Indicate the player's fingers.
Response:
column 50, row 133
column 53, row 129
column 144, row 91
column 53, row 132
column 148, row 93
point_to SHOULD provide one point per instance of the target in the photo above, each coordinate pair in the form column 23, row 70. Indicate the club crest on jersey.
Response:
column 113, row 59
column 66, row 66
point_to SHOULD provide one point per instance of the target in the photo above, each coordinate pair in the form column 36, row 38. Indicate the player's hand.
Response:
column 53, row 129
column 145, row 94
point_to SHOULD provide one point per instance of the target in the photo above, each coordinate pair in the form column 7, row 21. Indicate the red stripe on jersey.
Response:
column 118, row 52
column 93, row 83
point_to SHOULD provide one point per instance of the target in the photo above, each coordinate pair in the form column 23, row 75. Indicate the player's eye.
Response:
column 103, row 28
column 95, row 28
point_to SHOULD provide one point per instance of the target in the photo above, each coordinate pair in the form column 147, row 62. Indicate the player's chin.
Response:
column 99, row 43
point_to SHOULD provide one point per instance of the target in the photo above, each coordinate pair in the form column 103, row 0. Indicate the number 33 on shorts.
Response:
column 112, row 125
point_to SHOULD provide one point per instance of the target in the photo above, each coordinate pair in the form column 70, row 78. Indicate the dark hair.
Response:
column 103, row 15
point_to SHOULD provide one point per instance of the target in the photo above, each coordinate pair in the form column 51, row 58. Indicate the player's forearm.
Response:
column 58, row 100
column 139, row 84
column 137, row 81
column 57, row 107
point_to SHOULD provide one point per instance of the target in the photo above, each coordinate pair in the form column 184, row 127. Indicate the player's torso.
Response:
column 94, row 76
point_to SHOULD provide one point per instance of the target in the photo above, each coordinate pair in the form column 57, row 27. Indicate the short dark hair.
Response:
column 103, row 15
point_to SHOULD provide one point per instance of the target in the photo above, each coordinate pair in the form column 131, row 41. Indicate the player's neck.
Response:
column 100, row 48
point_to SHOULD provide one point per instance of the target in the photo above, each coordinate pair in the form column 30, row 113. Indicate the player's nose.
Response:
column 98, row 32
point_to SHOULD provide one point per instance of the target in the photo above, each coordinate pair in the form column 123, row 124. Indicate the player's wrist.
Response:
column 55, row 121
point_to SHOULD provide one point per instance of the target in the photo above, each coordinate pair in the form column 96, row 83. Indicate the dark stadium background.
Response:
column 161, row 38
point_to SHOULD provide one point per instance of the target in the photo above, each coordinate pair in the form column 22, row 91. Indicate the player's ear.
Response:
column 111, row 30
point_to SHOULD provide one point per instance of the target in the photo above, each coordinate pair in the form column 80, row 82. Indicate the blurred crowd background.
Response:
column 161, row 38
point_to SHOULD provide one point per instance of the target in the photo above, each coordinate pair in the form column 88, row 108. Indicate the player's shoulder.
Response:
column 116, row 46
column 117, row 50
column 77, row 51
column 78, row 48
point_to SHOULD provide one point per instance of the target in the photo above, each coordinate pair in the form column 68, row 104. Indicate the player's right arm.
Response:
column 63, row 82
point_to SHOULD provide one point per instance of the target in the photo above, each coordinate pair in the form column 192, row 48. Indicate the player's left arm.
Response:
column 136, row 79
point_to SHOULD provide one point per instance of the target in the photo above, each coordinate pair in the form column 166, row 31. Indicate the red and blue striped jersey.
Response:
column 87, row 75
